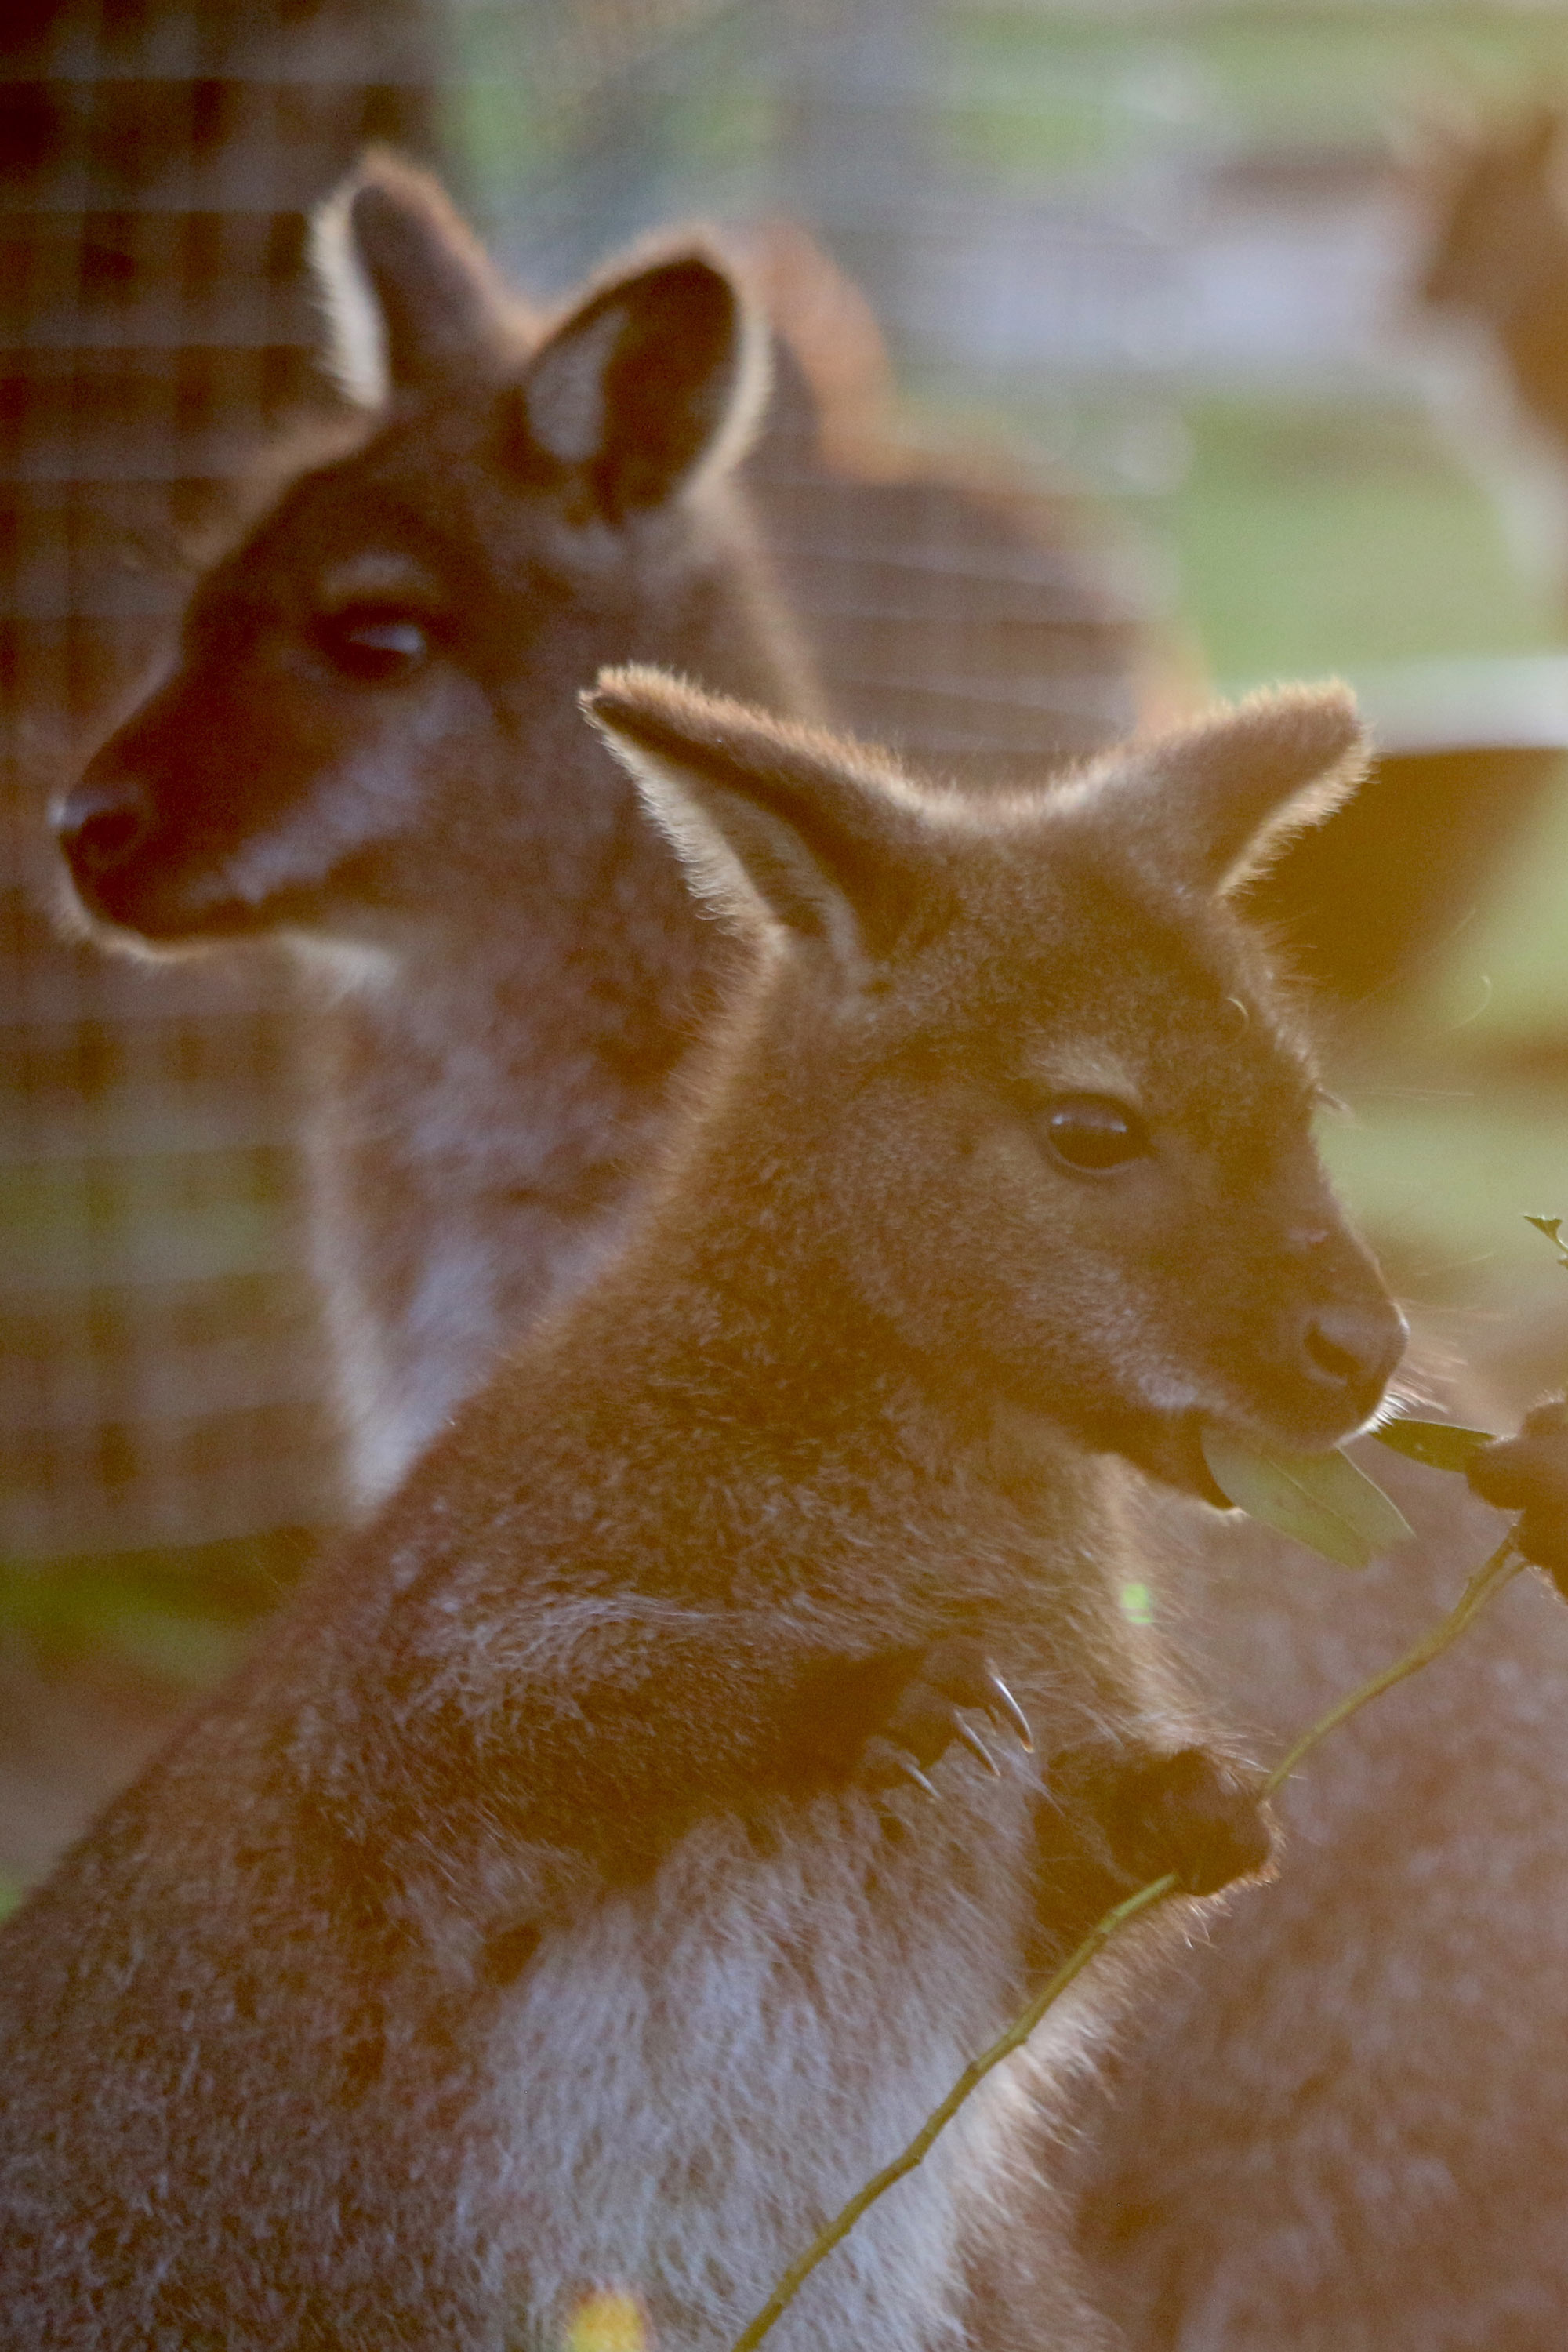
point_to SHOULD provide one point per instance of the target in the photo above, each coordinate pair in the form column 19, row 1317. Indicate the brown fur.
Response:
column 1431, row 1847
column 532, row 1910
column 1498, row 250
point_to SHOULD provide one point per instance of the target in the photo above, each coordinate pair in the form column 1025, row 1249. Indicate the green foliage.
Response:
column 1440, row 1444
column 1552, row 1228
column 1320, row 1499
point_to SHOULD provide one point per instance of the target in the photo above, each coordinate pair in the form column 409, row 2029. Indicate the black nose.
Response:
column 101, row 826
column 1353, row 1350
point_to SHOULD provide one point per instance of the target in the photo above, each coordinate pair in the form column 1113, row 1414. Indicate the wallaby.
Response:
column 1496, row 250
column 980, row 622
column 541, row 1906
column 371, row 748
column 1491, row 292
column 1408, row 2202
column 396, row 647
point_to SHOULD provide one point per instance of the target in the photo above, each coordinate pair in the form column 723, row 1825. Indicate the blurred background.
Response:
column 1262, row 308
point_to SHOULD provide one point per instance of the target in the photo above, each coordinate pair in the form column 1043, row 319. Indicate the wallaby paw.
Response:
column 1194, row 1813
column 1529, row 1473
column 953, row 1679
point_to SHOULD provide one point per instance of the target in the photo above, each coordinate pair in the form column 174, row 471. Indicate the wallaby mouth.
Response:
column 1168, row 1447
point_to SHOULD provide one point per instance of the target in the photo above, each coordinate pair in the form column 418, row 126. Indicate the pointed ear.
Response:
column 652, row 384
column 412, row 299
column 769, row 818
column 1214, row 805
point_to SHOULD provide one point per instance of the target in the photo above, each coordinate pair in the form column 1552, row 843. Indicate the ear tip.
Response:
column 386, row 191
column 630, row 691
column 697, row 272
column 1323, row 721
column 383, row 174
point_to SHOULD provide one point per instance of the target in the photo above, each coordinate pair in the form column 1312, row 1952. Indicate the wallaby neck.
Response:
column 738, row 1287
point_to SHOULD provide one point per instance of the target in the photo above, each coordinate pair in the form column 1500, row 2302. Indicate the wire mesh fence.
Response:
column 163, row 1385
column 161, row 1382
column 1131, row 230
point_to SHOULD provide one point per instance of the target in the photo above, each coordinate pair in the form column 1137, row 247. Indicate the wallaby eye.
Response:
column 1092, row 1133
column 372, row 646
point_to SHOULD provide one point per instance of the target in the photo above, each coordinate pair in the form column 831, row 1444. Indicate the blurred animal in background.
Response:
column 398, row 644
column 1496, row 200
column 1489, row 198
column 1338, row 2132
column 960, row 611
column 547, row 1900
column 506, row 967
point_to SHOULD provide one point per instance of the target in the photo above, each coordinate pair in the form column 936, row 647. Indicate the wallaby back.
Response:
column 547, row 1886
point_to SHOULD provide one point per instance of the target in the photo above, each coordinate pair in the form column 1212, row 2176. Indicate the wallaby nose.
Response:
column 1353, row 1350
column 100, row 825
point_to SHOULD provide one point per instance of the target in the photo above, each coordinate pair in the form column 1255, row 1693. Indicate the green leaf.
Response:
column 1441, row 1444
column 1552, row 1228
column 1321, row 1499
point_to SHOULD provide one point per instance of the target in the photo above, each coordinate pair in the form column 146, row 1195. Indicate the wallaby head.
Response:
column 372, row 715
column 1042, row 1024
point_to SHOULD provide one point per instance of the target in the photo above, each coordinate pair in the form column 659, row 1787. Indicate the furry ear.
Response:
column 412, row 299
column 820, row 836
column 653, row 383
column 1212, row 805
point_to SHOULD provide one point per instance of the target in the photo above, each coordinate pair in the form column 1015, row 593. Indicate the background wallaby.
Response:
column 1408, row 2201
column 523, row 1917
column 394, row 656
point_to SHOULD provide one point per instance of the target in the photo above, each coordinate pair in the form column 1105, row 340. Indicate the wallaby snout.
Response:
column 1297, row 1337
column 1350, row 1348
column 100, row 825
column 129, row 844
column 1334, row 1335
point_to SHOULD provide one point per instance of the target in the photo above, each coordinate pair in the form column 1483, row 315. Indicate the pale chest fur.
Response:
column 465, row 1176
column 690, row 2080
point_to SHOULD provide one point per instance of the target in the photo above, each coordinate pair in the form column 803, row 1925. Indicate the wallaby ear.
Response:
column 412, row 299
column 1212, row 805
column 769, row 817
column 655, row 381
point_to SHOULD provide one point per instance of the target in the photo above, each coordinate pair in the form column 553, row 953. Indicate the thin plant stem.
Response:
column 1490, row 1578
column 973, row 2074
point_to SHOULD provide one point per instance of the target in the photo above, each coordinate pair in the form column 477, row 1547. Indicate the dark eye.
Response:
column 1093, row 1132
column 373, row 646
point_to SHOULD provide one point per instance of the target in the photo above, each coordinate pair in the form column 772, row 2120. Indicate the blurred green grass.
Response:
column 1313, row 536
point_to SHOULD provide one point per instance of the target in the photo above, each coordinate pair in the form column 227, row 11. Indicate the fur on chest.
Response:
column 692, row 2078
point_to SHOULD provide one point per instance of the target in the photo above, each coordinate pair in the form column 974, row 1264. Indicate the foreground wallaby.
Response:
column 532, row 1912
column 372, row 748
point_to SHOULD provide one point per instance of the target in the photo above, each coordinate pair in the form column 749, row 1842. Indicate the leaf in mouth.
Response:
column 1440, row 1444
column 1320, row 1499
